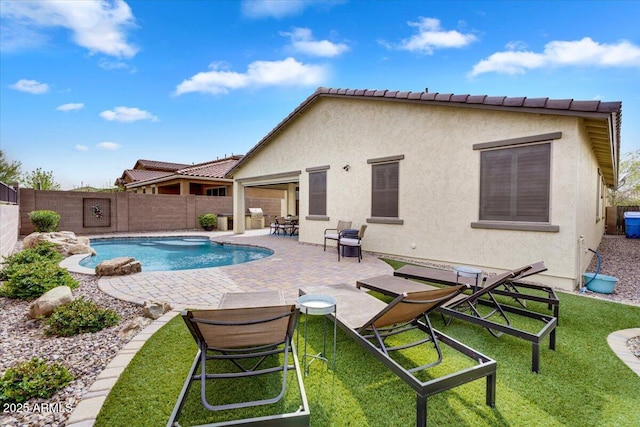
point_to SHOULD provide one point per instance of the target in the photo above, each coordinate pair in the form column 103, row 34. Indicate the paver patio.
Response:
column 291, row 266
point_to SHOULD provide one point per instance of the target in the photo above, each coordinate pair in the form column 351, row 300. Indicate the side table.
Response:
column 466, row 271
column 317, row 305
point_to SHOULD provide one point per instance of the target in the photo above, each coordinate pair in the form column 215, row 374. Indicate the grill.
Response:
column 255, row 219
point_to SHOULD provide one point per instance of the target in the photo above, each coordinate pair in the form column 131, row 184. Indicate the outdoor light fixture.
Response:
column 346, row 167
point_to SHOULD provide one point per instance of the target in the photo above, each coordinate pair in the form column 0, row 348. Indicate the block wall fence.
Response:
column 98, row 213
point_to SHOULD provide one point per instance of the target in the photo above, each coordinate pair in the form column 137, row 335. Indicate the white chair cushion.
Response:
column 333, row 236
column 349, row 242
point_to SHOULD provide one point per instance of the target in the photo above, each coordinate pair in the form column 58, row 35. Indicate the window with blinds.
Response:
column 384, row 197
column 318, row 193
column 514, row 183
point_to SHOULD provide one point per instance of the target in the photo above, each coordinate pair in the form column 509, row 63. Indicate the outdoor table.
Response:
column 317, row 305
column 466, row 271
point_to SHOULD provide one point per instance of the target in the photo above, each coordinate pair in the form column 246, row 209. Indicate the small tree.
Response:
column 9, row 171
column 628, row 191
column 40, row 180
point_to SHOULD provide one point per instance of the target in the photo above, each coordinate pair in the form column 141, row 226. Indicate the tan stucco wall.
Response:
column 439, row 181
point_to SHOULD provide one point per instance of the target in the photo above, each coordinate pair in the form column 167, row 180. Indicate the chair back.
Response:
column 343, row 225
column 242, row 327
column 410, row 306
column 361, row 232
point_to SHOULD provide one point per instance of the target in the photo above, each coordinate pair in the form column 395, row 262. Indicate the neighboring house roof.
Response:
column 214, row 170
column 159, row 166
column 603, row 134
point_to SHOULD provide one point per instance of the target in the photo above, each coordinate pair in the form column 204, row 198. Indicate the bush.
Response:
column 208, row 220
column 33, row 378
column 78, row 317
column 44, row 221
column 32, row 280
column 42, row 252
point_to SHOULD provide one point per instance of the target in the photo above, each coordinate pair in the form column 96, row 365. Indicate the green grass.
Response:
column 582, row 382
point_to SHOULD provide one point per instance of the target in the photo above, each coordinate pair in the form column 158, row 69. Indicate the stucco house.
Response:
column 491, row 182
column 157, row 177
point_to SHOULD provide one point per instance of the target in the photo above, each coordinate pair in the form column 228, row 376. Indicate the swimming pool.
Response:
column 173, row 253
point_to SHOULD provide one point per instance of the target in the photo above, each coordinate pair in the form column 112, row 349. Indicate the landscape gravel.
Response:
column 87, row 355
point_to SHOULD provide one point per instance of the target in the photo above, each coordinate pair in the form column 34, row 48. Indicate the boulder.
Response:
column 154, row 310
column 49, row 301
column 67, row 243
column 133, row 327
column 121, row 266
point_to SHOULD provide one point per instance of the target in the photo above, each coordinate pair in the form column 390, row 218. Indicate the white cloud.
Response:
column 585, row 52
column 302, row 41
column 287, row 72
column 108, row 146
column 127, row 114
column 272, row 8
column 116, row 65
column 70, row 107
column 97, row 25
column 30, row 86
column 431, row 36
column 80, row 147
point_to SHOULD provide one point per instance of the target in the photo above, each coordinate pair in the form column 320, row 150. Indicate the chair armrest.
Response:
column 330, row 229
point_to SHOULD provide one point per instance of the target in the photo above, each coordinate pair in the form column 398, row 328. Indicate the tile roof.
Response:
column 590, row 109
column 143, row 175
column 214, row 169
column 159, row 166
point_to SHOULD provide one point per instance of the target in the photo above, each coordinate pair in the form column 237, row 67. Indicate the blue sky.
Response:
column 89, row 87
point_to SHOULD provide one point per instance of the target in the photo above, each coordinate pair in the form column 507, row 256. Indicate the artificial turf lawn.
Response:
column 581, row 383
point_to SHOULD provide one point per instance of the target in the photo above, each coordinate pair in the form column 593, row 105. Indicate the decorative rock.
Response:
column 66, row 242
column 49, row 301
column 133, row 327
column 121, row 266
column 153, row 310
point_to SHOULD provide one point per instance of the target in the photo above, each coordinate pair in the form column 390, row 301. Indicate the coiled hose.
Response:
column 599, row 258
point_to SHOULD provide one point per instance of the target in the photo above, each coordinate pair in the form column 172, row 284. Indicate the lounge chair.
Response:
column 515, row 288
column 352, row 242
column 466, row 307
column 369, row 321
column 246, row 337
column 334, row 233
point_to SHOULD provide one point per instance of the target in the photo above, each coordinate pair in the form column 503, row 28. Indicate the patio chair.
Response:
column 257, row 341
column 334, row 233
column 515, row 288
column 370, row 321
column 467, row 307
column 352, row 242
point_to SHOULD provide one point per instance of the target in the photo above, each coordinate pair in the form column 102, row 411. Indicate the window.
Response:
column 318, row 192
column 385, row 184
column 219, row 191
column 514, row 183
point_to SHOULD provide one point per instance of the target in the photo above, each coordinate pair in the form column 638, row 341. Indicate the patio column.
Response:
column 238, row 207
column 291, row 199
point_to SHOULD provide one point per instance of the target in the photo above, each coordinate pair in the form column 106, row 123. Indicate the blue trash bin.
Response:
column 632, row 225
column 350, row 251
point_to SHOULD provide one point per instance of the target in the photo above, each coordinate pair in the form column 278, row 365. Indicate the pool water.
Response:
column 173, row 253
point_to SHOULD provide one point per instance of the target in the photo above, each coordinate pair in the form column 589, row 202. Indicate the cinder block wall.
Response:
column 128, row 212
column 9, row 228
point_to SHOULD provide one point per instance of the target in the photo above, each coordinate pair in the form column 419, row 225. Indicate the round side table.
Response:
column 317, row 305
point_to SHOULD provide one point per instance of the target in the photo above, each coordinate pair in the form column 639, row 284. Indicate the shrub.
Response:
column 33, row 378
column 79, row 316
column 32, row 280
column 42, row 252
column 44, row 221
column 208, row 220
